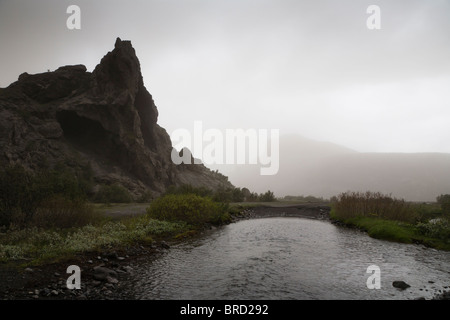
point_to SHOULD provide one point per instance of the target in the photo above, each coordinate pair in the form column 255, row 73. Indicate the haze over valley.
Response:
column 324, row 169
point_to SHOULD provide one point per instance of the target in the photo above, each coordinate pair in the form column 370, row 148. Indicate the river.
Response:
column 289, row 258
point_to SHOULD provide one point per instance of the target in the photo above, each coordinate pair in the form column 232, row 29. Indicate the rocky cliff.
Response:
column 105, row 120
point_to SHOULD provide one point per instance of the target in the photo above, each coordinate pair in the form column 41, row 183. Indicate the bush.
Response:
column 113, row 194
column 435, row 228
column 188, row 189
column 147, row 196
column 220, row 195
column 16, row 197
column 267, row 197
column 22, row 191
column 426, row 211
column 372, row 204
column 229, row 195
column 444, row 201
column 190, row 208
column 60, row 212
column 304, row 198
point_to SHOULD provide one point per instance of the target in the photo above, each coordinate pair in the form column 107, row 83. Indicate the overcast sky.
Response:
column 308, row 67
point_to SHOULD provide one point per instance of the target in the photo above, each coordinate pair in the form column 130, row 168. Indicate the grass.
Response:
column 191, row 208
column 382, row 229
column 382, row 220
column 39, row 245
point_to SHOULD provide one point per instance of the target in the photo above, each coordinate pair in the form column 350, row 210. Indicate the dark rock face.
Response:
column 106, row 119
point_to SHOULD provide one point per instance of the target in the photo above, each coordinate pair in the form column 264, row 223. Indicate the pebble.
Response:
column 127, row 268
column 111, row 280
column 164, row 245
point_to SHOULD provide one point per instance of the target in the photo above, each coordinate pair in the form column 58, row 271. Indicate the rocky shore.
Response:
column 103, row 274
column 308, row 210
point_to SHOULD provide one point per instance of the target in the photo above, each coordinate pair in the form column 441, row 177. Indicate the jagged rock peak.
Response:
column 105, row 119
column 119, row 70
column 120, row 43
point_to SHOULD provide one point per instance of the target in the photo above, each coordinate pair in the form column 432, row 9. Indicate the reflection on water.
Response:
column 289, row 258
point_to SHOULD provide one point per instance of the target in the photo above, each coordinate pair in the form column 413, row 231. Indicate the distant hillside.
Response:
column 309, row 167
column 105, row 121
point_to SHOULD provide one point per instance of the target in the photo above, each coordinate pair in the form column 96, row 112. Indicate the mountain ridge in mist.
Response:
column 320, row 168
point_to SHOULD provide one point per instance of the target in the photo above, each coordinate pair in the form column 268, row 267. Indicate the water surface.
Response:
column 289, row 258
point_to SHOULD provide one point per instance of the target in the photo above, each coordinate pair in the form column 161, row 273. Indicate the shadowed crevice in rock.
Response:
column 147, row 115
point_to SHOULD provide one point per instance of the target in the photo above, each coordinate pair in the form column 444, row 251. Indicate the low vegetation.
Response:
column 225, row 195
column 112, row 194
column 303, row 199
column 39, row 245
column 190, row 208
column 49, row 215
column 384, row 217
column 25, row 196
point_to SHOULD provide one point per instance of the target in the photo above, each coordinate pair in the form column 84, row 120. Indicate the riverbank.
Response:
column 391, row 230
column 45, row 278
column 35, row 261
column 104, row 273
column 319, row 211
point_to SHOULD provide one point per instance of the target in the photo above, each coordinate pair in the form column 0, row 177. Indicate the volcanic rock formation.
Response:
column 106, row 120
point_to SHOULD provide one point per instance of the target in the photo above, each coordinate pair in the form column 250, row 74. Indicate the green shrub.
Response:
column 426, row 211
column 267, row 197
column 190, row 208
column 222, row 194
column 304, row 198
column 372, row 204
column 189, row 189
column 147, row 196
column 16, row 197
column 113, row 194
column 436, row 228
column 444, row 201
column 60, row 212
column 23, row 191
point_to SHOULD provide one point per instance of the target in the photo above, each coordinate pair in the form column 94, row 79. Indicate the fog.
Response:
column 323, row 169
column 312, row 69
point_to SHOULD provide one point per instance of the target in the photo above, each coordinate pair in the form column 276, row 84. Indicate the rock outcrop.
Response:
column 106, row 120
